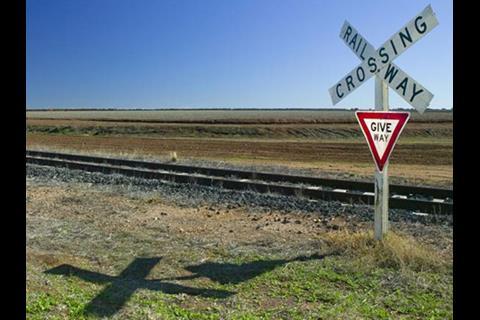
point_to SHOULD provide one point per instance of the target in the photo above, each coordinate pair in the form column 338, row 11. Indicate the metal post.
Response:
column 381, row 178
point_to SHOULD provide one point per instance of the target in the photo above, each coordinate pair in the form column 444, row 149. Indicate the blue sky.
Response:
column 218, row 53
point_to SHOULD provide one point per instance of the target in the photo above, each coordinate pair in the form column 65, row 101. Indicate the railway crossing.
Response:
column 379, row 63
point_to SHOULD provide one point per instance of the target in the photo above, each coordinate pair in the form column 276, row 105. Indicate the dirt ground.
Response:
column 281, row 150
column 208, row 223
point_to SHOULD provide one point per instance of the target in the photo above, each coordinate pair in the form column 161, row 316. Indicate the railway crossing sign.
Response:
column 381, row 130
column 379, row 62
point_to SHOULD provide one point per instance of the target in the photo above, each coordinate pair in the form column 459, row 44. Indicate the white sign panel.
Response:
column 404, row 85
column 374, row 62
column 381, row 131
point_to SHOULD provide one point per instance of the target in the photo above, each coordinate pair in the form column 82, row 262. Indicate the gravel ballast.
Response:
column 187, row 195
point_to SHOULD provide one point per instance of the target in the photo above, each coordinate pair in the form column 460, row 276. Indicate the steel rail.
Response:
column 395, row 189
column 311, row 192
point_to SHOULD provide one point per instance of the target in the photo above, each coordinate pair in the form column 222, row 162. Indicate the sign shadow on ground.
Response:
column 230, row 273
column 120, row 288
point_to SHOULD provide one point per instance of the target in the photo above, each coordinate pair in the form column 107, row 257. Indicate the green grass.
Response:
column 331, row 288
column 66, row 300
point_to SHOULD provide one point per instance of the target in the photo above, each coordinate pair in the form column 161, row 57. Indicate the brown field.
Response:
column 332, row 145
column 323, row 131
column 227, row 116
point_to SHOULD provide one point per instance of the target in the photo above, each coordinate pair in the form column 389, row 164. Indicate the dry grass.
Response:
column 396, row 251
column 173, row 156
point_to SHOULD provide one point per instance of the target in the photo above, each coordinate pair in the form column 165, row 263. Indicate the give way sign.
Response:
column 381, row 129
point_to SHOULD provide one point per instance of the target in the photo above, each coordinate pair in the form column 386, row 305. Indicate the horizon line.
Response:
column 212, row 108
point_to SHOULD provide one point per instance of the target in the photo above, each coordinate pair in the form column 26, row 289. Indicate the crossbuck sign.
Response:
column 379, row 62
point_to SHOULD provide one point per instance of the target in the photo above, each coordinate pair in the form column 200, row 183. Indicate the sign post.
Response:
column 381, row 177
column 382, row 129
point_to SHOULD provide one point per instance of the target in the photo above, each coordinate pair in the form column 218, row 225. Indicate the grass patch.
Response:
column 399, row 252
column 324, row 288
column 66, row 300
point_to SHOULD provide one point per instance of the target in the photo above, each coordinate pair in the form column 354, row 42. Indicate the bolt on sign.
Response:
column 380, row 62
column 381, row 130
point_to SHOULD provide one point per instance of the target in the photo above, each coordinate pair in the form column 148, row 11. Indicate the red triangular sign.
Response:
column 381, row 129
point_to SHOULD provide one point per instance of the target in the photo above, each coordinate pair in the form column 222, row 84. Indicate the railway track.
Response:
column 415, row 198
